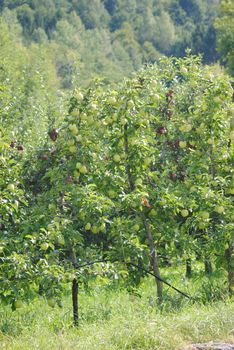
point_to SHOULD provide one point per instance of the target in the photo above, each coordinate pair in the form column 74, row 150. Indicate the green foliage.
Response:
column 225, row 28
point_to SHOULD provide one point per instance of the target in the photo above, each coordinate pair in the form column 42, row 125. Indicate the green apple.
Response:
column 79, row 96
column 204, row 215
column 18, row 304
column 102, row 228
column 44, row 246
column 70, row 142
column 182, row 144
column 147, row 161
column 73, row 128
column 184, row 213
column 72, row 149
column 83, row 169
column 117, row 158
column 138, row 182
column 11, row 187
column 201, row 225
column 51, row 302
column 184, row 70
column 88, row 226
column 78, row 166
column 219, row 209
column 75, row 113
column 211, row 141
column 111, row 193
column 95, row 229
column 93, row 106
column 136, row 227
column 79, row 138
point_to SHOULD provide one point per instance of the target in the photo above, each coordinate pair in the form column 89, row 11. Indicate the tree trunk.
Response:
column 153, row 258
column 208, row 266
column 188, row 268
column 230, row 261
column 75, row 302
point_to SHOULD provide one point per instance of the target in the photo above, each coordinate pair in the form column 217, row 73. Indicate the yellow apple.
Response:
column 88, row 226
column 73, row 128
column 204, row 215
column 83, row 169
column 184, row 213
column 219, row 209
column 182, row 144
column 18, row 304
column 44, row 246
column 117, row 158
column 72, row 149
column 95, row 229
column 51, row 302
column 11, row 187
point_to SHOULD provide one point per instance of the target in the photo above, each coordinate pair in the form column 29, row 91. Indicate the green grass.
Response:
column 113, row 319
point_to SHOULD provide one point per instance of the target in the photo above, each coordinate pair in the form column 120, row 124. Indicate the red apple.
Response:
column 162, row 130
column 53, row 134
column 20, row 147
column 173, row 176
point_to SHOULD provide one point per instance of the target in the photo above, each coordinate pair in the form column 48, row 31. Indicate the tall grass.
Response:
column 111, row 319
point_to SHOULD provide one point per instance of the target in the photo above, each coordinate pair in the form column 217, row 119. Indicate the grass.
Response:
column 113, row 319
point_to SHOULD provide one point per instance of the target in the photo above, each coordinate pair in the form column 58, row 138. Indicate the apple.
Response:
column 53, row 134
column 111, row 100
column 95, row 229
column 69, row 179
column 79, row 96
column 102, row 228
column 211, row 141
column 73, row 128
column 44, row 246
column 83, row 169
column 136, row 227
column 79, row 138
column 11, row 187
column 184, row 213
column 18, row 304
column 70, row 142
column 182, row 144
column 78, row 166
column 88, row 226
column 20, row 147
column 173, row 176
column 75, row 113
column 111, row 193
column 72, row 149
column 204, row 215
column 13, row 144
column 219, row 209
column 201, row 225
column 147, row 161
column 117, row 158
column 138, row 182
column 51, row 302
column 44, row 157
column 93, row 106
column 162, row 130
column 184, row 70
